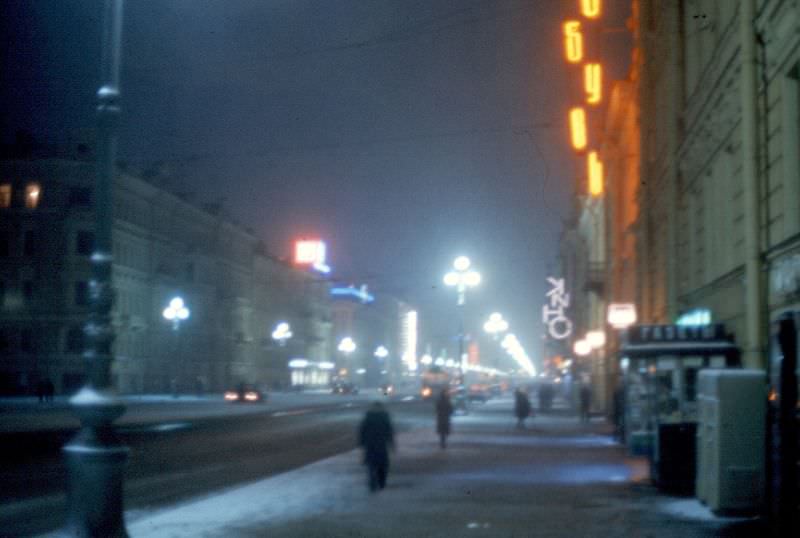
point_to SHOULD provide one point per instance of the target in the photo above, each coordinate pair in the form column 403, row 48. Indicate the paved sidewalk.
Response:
column 557, row 478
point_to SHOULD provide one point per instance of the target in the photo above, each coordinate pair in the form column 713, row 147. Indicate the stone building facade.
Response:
column 164, row 246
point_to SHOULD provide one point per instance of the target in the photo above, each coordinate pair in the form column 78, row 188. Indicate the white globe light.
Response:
column 451, row 279
column 461, row 263
column 596, row 339
column 582, row 348
column 176, row 303
column 473, row 278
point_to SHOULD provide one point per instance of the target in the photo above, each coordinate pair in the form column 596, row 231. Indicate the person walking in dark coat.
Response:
column 585, row 396
column 444, row 408
column 522, row 407
column 376, row 437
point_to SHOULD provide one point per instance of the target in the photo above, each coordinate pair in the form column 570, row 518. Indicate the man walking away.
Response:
column 376, row 437
column 522, row 407
column 444, row 408
column 585, row 401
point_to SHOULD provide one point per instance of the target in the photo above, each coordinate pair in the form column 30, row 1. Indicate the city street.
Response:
column 179, row 450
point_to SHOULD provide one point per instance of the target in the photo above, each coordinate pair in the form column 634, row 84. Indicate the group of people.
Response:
column 376, row 433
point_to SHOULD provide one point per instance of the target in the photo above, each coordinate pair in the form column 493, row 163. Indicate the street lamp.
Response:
column 176, row 312
column 347, row 346
column 282, row 333
column 381, row 352
column 495, row 325
column 95, row 457
column 462, row 278
column 582, row 348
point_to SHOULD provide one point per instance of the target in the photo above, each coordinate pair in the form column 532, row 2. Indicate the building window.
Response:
column 33, row 192
column 75, row 339
column 84, row 243
column 27, row 290
column 5, row 195
column 29, row 243
column 82, row 293
column 80, row 197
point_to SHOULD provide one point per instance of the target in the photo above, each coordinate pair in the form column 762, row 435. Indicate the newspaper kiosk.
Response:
column 659, row 365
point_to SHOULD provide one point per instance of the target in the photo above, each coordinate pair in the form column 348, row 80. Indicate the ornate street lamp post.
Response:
column 175, row 313
column 462, row 278
column 95, row 457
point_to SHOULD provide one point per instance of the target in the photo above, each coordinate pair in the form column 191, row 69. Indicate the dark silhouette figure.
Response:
column 522, row 407
column 585, row 397
column 444, row 408
column 546, row 394
column 376, row 437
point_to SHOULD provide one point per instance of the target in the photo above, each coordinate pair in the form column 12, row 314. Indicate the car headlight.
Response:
column 251, row 396
column 231, row 396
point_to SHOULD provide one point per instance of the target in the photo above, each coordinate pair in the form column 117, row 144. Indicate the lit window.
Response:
column 5, row 195
column 33, row 192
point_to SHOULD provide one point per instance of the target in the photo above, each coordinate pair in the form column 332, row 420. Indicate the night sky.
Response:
column 403, row 132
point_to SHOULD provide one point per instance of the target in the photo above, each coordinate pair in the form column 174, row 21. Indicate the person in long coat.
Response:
column 522, row 407
column 444, row 408
column 376, row 437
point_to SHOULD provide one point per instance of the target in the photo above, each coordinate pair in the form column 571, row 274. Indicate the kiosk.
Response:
column 659, row 365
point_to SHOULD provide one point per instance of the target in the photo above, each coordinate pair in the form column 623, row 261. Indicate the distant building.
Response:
column 164, row 246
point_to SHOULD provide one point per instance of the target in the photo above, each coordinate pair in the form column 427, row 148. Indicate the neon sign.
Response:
column 593, row 83
column 591, row 9
column 577, row 128
column 573, row 41
column 595, row 170
column 558, row 324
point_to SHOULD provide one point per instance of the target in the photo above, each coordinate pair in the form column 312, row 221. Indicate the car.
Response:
column 344, row 388
column 458, row 397
column 387, row 389
column 478, row 392
column 245, row 394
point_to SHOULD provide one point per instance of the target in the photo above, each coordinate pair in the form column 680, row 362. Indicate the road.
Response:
column 181, row 458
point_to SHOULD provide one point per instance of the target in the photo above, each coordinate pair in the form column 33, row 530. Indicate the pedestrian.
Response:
column 585, row 397
column 376, row 437
column 522, row 407
column 444, row 409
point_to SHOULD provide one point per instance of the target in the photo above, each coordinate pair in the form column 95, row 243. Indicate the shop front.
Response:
column 659, row 366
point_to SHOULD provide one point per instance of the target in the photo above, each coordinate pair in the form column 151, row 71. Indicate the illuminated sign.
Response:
column 410, row 341
column 621, row 315
column 360, row 294
column 593, row 83
column 310, row 252
column 591, row 9
column 595, row 172
column 573, row 41
column 695, row 318
column 577, row 128
column 558, row 324
column 645, row 334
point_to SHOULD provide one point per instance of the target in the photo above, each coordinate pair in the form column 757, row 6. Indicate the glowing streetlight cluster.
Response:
column 463, row 277
column 495, row 325
column 593, row 340
column 176, row 312
column 511, row 344
column 347, row 345
column 282, row 333
column 575, row 53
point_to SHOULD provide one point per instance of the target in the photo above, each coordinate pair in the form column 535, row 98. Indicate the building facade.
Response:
column 163, row 247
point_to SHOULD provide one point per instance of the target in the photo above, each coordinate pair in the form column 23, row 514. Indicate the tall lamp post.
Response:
column 175, row 313
column 347, row 346
column 462, row 278
column 95, row 457
column 281, row 334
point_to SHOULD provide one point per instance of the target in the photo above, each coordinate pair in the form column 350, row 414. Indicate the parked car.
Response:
column 387, row 389
column 344, row 388
column 245, row 394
